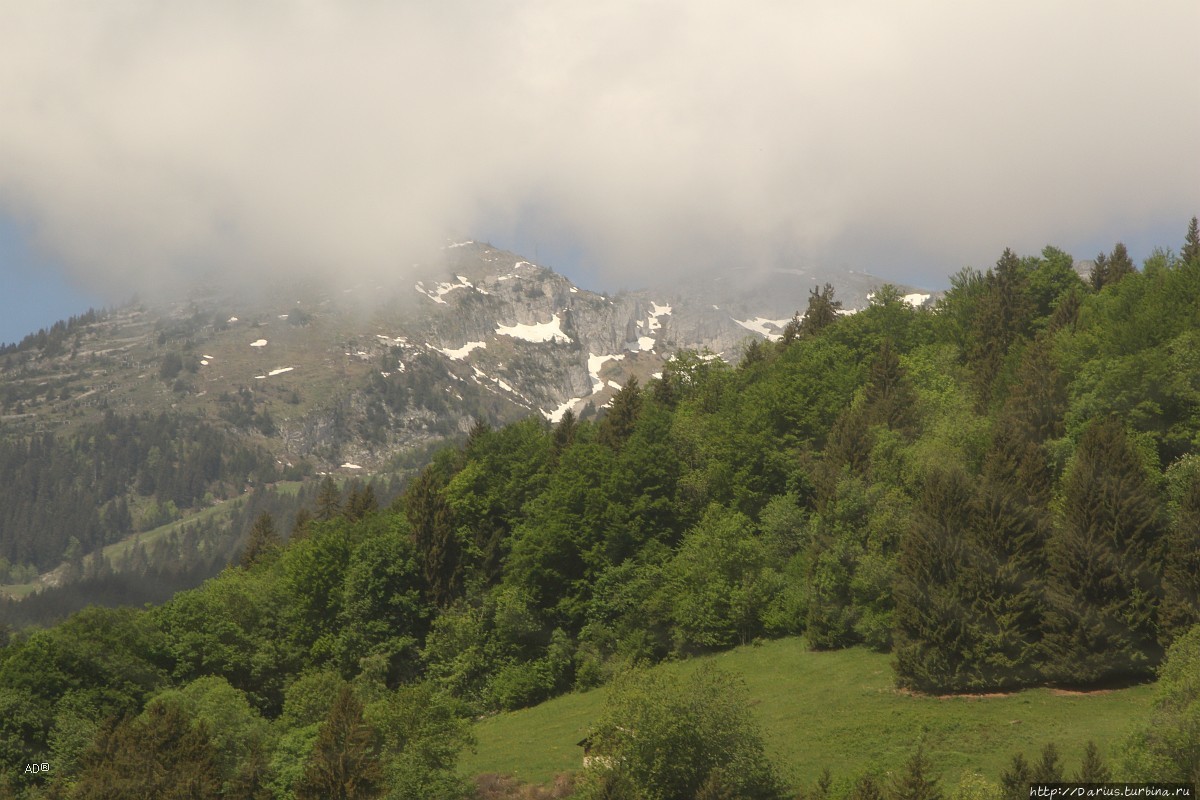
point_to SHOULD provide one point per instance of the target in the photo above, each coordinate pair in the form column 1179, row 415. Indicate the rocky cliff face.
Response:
column 350, row 385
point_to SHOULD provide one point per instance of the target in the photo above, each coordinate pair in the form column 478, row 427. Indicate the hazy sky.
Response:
column 141, row 140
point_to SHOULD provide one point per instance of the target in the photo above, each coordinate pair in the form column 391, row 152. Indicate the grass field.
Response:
column 838, row 709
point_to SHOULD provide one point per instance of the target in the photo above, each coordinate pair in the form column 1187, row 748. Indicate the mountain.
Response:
column 121, row 420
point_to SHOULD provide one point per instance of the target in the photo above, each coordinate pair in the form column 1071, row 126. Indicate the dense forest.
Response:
column 1002, row 491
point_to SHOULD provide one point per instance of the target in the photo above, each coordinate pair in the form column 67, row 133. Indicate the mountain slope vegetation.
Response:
column 999, row 491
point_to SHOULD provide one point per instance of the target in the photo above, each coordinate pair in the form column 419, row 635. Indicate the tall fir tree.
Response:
column 161, row 754
column 1093, row 769
column 344, row 764
column 932, row 630
column 618, row 424
column 438, row 550
column 329, row 500
column 262, row 540
column 822, row 311
column 1005, row 564
column 1002, row 317
column 1191, row 244
column 1181, row 579
column 1104, row 579
column 889, row 397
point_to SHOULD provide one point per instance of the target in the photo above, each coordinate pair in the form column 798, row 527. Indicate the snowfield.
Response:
column 540, row 332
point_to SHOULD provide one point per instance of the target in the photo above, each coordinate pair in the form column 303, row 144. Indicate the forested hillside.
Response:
column 1003, row 491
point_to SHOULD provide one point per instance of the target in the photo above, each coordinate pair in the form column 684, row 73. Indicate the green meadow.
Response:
column 838, row 709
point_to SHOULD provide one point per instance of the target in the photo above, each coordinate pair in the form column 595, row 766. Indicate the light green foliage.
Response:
column 1167, row 747
column 422, row 732
column 718, row 586
column 665, row 736
column 235, row 728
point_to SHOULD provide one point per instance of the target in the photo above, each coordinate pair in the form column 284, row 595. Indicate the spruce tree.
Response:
column 1119, row 264
column 344, row 764
column 890, row 399
column 329, row 500
column 619, row 423
column 916, row 782
column 1181, row 579
column 1048, row 769
column 161, row 754
column 822, row 311
column 1191, row 244
column 1105, row 564
column 1015, row 779
column 262, row 540
column 1002, row 317
column 866, row 788
column 1093, row 769
column 438, row 549
column 932, row 633
column 1003, row 571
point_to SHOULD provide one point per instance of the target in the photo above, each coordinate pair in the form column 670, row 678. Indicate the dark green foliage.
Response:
column 1191, row 244
column 933, row 636
column 1093, row 769
column 1181, row 578
column 1003, row 315
column 1048, row 769
column 1015, row 780
column 160, row 754
column 668, row 736
column 262, row 541
column 1105, row 564
column 1167, row 746
column 431, row 520
column 618, row 424
column 915, row 782
column 821, row 312
column 867, row 787
column 344, row 764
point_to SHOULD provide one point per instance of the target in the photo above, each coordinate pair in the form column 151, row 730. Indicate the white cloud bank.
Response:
column 143, row 138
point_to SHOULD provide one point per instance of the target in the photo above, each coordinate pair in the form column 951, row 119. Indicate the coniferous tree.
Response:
column 1119, row 264
column 866, row 788
column 1191, row 244
column 161, row 754
column 1002, row 317
column 1099, row 274
column 329, row 500
column 1048, row 769
column 1093, row 769
column 1105, row 564
column 618, row 424
column 1005, row 564
column 262, row 540
column 916, row 781
column 890, row 399
column 822, row 311
column 344, row 764
column 1181, row 578
column 438, row 550
column 932, row 633
column 1015, row 779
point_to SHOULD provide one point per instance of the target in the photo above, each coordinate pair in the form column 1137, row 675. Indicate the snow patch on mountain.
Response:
column 539, row 332
column 759, row 325
column 595, row 362
column 460, row 353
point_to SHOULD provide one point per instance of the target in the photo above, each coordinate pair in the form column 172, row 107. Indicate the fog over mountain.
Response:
column 145, row 141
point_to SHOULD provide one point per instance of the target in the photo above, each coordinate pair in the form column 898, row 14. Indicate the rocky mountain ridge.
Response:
column 329, row 382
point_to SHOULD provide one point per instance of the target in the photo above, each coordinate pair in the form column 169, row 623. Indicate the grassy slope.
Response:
column 838, row 709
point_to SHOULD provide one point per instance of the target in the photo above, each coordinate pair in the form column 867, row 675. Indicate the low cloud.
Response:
column 143, row 140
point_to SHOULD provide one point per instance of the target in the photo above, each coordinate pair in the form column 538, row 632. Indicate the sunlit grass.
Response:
column 838, row 709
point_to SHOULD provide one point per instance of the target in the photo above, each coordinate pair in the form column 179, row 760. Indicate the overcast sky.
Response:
column 141, row 140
